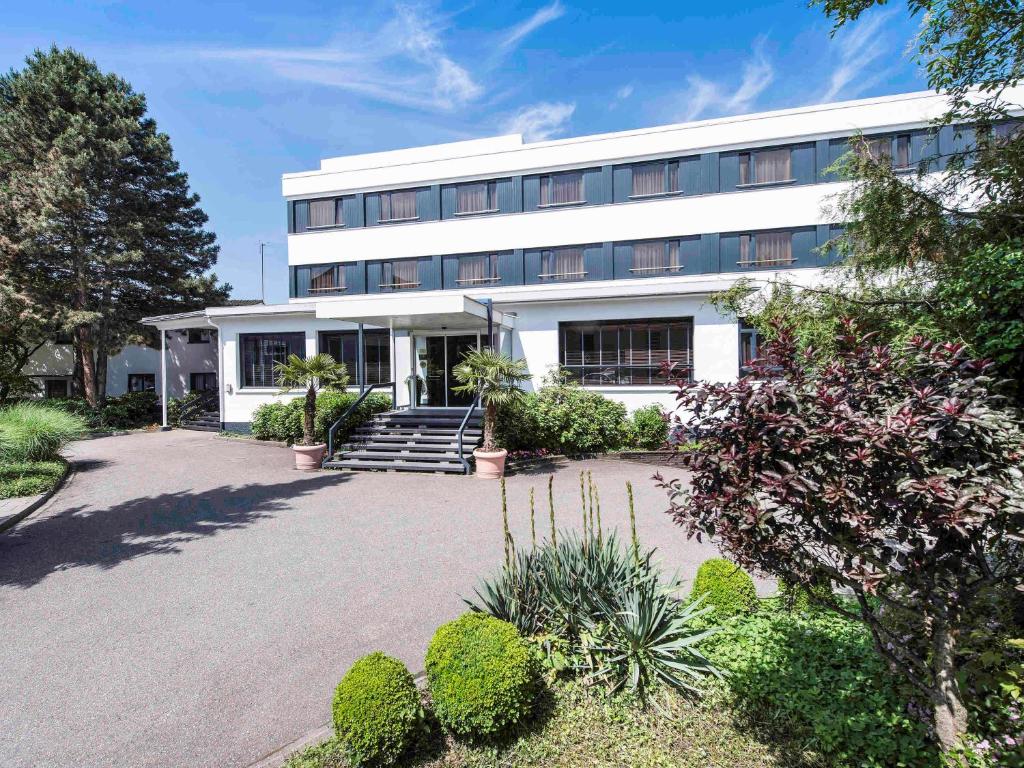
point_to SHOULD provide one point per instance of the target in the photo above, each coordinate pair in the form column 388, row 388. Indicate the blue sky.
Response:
column 250, row 90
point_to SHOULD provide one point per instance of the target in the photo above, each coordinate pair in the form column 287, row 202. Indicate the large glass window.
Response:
column 261, row 350
column 478, row 268
column 325, row 213
column 342, row 346
column 399, row 275
column 656, row 257
column 627, row 352
column 766, row 166
column 561, row 188
column 766, row 249
column 326, row 280
column 561, row 264
column 398, row 206
column 657, row 178
column 476, row 197
column 141, row 382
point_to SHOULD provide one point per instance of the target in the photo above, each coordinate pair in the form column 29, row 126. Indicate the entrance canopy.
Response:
column 412, row 312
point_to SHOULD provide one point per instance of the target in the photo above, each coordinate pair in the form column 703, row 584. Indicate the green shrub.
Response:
column 563, row 418
column 176, row 405
column 283, row 420
column 35, row 432
column 818, row 675
column 726, row 587
column 482, row 675
column 29, row 478
column 130, row 410
column 376, row 710
column 648, row 428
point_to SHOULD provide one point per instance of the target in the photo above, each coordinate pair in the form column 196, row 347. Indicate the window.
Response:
column 477, row 197
column 56, row 388
column 748, row 346
column 893, row 151
column 342, row 346
column 659, row 178
column 325, row 213
column 329, row 279
column 396, row 275
column 656, row 256
column 901, row 153
column 1006, row 131
column 261, row 350
column 199, row 336
column 398, row 206
column 561, row 188
column 766, row 166
column 766, row 249
column 561, row 263
column 478, row 268
column 627, row 352
column 202, row 382
column 141, row 382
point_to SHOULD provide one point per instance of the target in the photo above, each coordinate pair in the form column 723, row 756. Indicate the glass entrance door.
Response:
column 440, row 355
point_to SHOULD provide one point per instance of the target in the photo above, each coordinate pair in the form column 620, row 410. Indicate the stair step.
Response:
column 398, row 456
column 454, row 467
column 408, row 431
column 390, row 437
column 200, row 427
column 404, row 449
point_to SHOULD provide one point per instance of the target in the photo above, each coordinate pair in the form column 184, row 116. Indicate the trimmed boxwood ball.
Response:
column 724, row 586
column 482, row 675
column 376, row 710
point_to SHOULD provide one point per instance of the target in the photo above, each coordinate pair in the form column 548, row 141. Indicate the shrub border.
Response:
column 17, row 517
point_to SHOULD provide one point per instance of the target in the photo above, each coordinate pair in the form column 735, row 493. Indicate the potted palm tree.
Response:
column 496, row 378
column 313, row 373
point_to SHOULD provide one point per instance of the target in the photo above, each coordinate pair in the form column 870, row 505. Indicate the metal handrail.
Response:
column 205, row 399
column 351, row 409
column 462, row 430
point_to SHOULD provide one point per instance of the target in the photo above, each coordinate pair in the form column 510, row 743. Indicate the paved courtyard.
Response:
column 187, row 600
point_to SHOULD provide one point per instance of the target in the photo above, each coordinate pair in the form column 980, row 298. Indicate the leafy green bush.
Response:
column 563, row 418
column 127, row 411
column 376, row 710
column 725, row 587
column 482, row 675
column 820, row 675
column 283, row 420
column 35, row 432
column 648, row 428
column 176, row 405
column 28, row 478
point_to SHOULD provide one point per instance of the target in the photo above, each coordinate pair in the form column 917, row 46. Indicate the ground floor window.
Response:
column 342, row 346
column 749, row 343
column 202, row 382
column 141, row 382
column 56, row 388
column 627, row 352
column 261, row 350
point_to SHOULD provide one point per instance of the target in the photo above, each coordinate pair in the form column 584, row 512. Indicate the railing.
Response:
column 462, row 431
column 351, row 410
column 203, row 402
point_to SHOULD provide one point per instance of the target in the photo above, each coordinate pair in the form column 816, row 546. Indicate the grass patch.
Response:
column 29, row 478
column 572, row 727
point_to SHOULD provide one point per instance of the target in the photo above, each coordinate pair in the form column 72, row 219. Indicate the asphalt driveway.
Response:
column 187, row 600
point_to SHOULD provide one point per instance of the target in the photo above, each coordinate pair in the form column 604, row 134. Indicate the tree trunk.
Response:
column 490, row 416
column 308, row 417
column 84, row 349
column 949, row 711
column 101, row 373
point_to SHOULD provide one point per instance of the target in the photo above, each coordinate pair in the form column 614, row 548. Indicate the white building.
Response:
column 596, row 254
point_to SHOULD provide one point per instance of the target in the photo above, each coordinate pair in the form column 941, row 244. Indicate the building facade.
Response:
column 595, row 255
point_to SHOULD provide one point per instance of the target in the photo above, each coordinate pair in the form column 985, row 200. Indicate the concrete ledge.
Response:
column 37, row 501
column 247, row 440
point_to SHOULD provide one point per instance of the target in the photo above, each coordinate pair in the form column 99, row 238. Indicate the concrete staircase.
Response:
column 415, row 440
column 202, row 421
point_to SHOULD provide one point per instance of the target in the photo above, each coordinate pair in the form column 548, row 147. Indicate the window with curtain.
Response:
column 657, row 178
column 766, row 166
column 342, row 346
column 901, row 151
column 748, row 346
column 396, row 275
column 627, row 352
column 476, row 197
column 656, row 256
column 324, row 280
column 766, row 249
column 561, row 188
column 398, row 206
column 560, row 263
column 478, row 268
column 325, row 213
column 141, row 382
column 260, row 351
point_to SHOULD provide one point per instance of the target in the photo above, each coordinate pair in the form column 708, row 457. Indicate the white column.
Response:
column 163, row 375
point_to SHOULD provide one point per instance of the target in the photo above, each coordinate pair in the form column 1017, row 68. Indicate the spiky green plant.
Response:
column 36, row 432
column 312, row 373
column 496, row 378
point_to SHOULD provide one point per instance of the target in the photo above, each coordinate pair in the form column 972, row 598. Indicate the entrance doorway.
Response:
column 438, row 356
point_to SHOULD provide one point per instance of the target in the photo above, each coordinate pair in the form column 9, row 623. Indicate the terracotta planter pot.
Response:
column 490, row 465
column 308, row 457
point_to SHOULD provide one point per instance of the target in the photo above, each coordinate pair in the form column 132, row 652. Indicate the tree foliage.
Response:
column 311, row 374
column 895, row 474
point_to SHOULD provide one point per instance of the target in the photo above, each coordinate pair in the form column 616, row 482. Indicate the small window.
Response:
column 901, row 151
column 56, row 388
column 325, row 213
column 202, row 382
column 1006, row 131
column 561, row 188
column 656, row 257
column 748, row 346
column 199, row 336
column 141, row 382
column 478, row 268
column 260, row 351
column 561, row 263
column 477, row 197
column 766, row 166
column 326, row 280
column 398, row 206
column 766, row 249
column 399, row 275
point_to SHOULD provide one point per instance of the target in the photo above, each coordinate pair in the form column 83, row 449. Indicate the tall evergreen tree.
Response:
column 98, row 227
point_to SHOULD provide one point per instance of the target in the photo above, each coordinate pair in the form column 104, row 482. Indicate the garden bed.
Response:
column 30, row 478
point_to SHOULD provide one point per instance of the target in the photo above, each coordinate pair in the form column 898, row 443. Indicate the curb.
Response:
column 252, row 441
column 12, row 521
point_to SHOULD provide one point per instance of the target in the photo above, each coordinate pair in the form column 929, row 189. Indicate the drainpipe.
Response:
column 163, row 378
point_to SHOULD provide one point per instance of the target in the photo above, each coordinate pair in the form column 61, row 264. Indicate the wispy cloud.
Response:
column 542, row 121
column 704, row 96
column 542, row 16
column 624, row 92
column 858, row 49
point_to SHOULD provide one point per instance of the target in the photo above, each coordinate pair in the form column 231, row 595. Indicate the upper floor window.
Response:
column 325, row 213
column 478, row 268
column 656, row 256
column 766, row 166
column 889, row 150
column 396, row 275
column 260, row 351
column 561, row 188
column 558, row 263
column 476, row 197
column 1006, row 130
column 328, row 279
column 766, row 249
column 627, row 352
column 398, row 206
column 657, row 178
